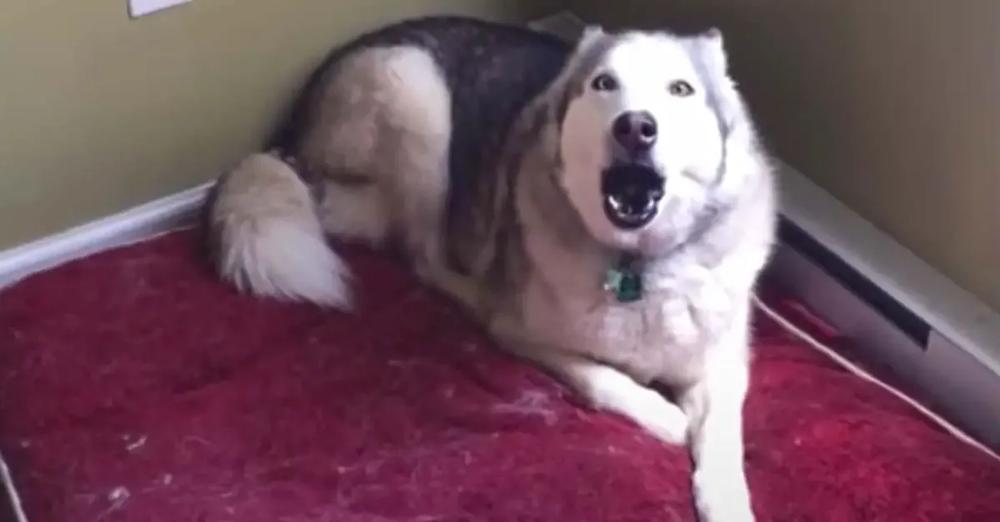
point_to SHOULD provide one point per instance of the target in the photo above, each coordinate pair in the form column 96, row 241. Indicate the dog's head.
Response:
column 650, row 128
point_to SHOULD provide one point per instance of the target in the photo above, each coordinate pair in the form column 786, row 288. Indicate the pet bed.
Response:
column 135, row 387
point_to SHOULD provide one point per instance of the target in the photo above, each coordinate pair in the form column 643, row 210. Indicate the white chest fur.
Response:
column 663, row 335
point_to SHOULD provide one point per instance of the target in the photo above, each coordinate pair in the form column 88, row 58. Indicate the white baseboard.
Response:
column 135, row 224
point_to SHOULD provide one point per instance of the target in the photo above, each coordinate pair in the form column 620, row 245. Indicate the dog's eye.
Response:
column 681, row 88
column 604, row 82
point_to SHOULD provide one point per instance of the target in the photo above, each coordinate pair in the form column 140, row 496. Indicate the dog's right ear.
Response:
column 570, row 82
column 591, row 34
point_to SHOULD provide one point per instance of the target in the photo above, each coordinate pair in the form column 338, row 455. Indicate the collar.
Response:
column 624, row 278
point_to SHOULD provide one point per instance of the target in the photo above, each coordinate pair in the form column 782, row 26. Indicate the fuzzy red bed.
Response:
column 137, row 388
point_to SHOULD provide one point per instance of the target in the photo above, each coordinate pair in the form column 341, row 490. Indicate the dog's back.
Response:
column 395, row 135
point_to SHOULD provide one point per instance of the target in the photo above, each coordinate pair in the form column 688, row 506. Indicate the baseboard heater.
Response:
column 793, row 237
column 937, row 342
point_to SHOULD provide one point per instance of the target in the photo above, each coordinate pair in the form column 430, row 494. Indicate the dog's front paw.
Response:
column 654, row 413
column 722, row 496
column 611, row 390
column 663, row 419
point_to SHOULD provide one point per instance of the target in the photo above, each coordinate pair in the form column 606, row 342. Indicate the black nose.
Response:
column 635, row 130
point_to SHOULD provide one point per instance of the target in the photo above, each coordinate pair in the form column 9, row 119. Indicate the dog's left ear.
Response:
column 713, row 50
column 743, row 155
column 713, row 34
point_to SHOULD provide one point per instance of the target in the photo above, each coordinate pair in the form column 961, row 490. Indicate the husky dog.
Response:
column 604, row 209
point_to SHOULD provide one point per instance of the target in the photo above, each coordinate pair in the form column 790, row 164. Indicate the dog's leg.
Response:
column 604, row 387
column 715, row 409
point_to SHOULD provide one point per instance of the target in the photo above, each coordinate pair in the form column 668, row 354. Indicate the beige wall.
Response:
column 892, row 105
column 99, row 113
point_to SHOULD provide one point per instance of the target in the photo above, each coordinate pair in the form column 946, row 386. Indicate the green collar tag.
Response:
column 624, row 281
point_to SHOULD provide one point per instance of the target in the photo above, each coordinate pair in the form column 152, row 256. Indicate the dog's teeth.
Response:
column 615, row 203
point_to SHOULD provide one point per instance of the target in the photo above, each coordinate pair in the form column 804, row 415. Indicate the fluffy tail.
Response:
column 267, row 237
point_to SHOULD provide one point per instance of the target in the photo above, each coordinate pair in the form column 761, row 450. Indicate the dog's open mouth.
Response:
column 631, row 193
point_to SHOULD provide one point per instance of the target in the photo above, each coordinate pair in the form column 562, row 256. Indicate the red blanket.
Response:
column 135, row 387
